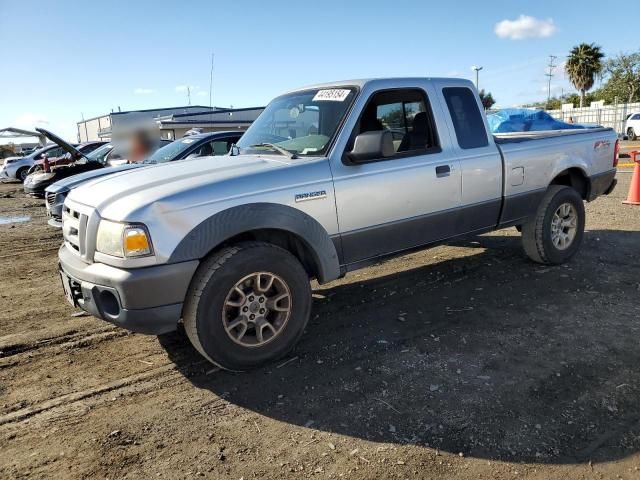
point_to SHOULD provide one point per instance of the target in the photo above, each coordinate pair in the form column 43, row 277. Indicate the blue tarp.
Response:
column 525, row 120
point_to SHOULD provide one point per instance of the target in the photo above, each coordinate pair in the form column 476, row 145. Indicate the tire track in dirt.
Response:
column 30, row 250
column 155, row 378
column 67, row 400
column 13, row 354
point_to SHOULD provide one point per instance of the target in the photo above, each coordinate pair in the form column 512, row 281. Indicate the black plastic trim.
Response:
column 601, row 184
column 411, row 233
column 261, row 216
column 520, row 206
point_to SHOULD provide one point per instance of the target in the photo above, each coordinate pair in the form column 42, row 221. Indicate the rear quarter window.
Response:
column 466, row 117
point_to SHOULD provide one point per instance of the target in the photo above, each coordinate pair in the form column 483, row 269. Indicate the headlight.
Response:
column 123, row 240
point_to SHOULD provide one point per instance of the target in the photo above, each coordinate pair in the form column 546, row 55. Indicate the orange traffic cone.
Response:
column 634, row 190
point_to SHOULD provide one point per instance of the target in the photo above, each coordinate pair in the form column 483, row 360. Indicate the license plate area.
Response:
column 68, row 289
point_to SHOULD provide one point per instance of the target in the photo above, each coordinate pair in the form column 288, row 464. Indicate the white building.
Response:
column 170, row 122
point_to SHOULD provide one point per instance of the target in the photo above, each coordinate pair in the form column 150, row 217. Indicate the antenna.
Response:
column 211, row 83
column 551, row 66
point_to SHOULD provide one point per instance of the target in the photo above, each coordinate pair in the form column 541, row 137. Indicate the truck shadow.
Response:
column 477, row 351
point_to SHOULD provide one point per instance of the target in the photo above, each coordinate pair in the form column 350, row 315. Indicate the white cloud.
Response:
column 31, row 120
column 525, row 27
column 183, row 88
column 143, row 91
column 202, row 93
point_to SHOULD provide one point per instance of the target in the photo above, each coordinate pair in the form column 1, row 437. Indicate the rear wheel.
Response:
column 631, row 134
column 247, row 305
column 555, row 233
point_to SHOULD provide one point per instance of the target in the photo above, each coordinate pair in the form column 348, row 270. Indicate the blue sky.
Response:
column 62, row 60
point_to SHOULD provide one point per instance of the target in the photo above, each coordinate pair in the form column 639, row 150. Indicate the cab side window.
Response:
column 466, row 117
column 406, row 114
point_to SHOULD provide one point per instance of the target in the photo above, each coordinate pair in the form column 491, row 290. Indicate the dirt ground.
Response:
column 463, row 361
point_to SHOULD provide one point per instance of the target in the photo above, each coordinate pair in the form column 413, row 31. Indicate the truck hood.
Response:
column 175, row 185
column 72, row 182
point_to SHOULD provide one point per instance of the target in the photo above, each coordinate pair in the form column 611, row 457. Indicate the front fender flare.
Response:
column 226, row 224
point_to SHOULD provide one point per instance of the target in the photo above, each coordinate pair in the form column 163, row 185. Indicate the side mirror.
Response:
column 372, row 145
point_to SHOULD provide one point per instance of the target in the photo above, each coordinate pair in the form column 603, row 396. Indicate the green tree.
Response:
column 584, row 63
column 486, row 99
column 624, row 78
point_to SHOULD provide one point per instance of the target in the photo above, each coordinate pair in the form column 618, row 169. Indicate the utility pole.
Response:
column 551, row 66
column 477, row 70
column 211, row 84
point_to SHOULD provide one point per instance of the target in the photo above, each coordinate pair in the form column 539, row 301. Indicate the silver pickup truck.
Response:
column 328, row 179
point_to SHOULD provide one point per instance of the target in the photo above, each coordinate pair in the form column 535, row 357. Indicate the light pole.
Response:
column 477, row 69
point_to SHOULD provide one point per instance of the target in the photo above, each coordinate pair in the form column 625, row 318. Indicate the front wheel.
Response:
column 555, row 233
column 22, row 174
column 248, row 304
column 631, row 134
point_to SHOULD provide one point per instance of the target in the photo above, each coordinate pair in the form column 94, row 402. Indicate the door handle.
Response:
column 443, row 170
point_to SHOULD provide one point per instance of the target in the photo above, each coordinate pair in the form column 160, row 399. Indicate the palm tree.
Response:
column 583, row 64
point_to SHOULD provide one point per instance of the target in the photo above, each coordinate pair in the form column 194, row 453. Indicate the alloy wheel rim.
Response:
column 257, row 309
column 564, row 226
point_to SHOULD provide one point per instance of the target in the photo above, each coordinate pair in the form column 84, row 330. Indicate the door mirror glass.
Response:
column 372, row 145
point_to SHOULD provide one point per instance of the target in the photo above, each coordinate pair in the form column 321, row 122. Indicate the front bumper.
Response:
column 7, row 171
column 144, row 300
column 35, row 190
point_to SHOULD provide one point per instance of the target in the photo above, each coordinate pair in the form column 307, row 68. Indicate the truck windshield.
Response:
column 303, row 123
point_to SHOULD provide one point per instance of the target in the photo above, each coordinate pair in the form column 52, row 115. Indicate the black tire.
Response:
column 631, row 134
column 537, row 233
column 22, row 174
column 215, row 279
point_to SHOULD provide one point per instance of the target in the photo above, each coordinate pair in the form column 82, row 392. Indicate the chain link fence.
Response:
column 613, row 116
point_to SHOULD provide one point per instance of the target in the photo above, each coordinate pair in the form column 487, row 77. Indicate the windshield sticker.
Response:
column 187, row 140
column 333, row 95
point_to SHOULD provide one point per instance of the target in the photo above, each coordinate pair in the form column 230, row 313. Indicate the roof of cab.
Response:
column 361, row 82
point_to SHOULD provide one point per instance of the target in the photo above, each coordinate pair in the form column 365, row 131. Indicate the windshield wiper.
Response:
column 283, row 151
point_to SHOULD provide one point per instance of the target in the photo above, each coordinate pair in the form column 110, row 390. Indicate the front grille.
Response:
column 74, row 225
column 50, row 198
